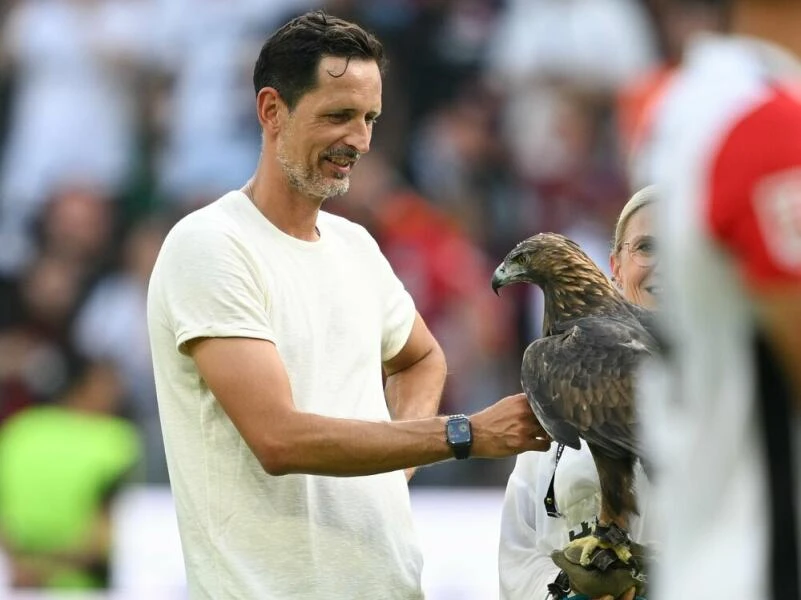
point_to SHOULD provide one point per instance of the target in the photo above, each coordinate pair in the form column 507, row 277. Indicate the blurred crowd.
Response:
column 502, row 118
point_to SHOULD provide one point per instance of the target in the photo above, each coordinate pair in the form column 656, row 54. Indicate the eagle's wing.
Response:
column 580, row 381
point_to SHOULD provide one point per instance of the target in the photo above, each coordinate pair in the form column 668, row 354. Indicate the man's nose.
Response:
column 359, row 137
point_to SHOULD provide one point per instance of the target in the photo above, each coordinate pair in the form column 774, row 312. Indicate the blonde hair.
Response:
column 643, row 197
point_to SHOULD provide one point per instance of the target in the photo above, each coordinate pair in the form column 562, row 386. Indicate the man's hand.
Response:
column 506, row 428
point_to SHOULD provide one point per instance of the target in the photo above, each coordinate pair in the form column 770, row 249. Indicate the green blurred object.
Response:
column 58, row 468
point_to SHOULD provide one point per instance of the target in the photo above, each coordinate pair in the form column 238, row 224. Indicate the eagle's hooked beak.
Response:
column 499, row 278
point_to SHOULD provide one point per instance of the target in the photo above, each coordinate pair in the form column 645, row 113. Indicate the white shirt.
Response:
column 529, row 535
column 335, row 311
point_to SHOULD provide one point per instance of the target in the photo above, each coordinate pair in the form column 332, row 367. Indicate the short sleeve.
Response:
column 398, row 309
column 209, row 286
column 754, row 209
column 399, row 314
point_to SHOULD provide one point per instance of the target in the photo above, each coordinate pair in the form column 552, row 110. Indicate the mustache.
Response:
column 345, row 152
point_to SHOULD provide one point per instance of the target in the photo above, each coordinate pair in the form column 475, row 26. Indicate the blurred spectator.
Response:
column 72, row 120
column 443, row 49
column 60, row 466
column 598, row 44
column 211, row 139
column 78, row 223
column 458, row 162
column 109, row 328
column 561, row 64
column 36, row 359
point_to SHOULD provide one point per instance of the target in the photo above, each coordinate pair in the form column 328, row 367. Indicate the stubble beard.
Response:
column 307, row 180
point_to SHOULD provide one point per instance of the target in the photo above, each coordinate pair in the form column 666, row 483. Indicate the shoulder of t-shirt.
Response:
column 347, row 229
column 212, row 219
column 757, row 163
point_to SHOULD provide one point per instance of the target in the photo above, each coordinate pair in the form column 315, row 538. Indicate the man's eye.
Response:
column 338, row 118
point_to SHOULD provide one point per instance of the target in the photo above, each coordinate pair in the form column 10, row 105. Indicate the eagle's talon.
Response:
column 615, row 538
column 588, row 545
column 602, row 538
column 623, row 552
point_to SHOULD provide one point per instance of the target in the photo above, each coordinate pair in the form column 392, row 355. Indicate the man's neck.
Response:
column 294, row 215
column 775, row 21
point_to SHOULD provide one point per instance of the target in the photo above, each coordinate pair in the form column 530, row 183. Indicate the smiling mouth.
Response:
column 341, row 165
column 340, row 161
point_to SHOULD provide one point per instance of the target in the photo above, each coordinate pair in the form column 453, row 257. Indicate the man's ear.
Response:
column 269, row 106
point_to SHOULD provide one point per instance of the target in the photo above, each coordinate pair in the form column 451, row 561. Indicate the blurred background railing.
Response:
column 117, row 117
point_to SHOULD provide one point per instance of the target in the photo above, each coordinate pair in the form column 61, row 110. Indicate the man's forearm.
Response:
column 321, row 445
column 415, row 392
column 346, row 447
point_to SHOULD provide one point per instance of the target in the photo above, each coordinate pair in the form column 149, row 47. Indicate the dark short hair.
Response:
column 289, row 58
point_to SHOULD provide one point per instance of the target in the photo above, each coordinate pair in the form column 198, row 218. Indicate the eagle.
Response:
column 579, row 376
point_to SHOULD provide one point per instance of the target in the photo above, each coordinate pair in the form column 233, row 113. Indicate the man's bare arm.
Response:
column 249, row 380
column 416, row 377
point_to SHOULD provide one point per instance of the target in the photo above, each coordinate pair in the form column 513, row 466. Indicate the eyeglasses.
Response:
column 642, row 251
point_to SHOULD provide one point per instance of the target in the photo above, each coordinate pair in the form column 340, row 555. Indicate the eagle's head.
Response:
column 548, row 258
column 573, row 284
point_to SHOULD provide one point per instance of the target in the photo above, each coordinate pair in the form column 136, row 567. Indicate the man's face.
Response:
column 331, row 127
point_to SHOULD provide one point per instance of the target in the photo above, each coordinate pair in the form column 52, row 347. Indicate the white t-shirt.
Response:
column 335, row 311
column 529, row 535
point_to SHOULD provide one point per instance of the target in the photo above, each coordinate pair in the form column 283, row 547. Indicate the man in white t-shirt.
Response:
column 270, row 322
column 722, row 408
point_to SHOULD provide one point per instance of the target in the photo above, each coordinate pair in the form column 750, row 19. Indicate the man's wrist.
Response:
column 459, row 435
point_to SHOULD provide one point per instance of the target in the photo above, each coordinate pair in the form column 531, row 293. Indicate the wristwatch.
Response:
column 459, row 434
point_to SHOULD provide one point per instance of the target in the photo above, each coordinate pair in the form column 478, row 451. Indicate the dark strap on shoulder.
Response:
column 550, row 497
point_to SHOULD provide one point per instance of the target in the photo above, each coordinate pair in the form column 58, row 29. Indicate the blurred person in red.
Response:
column 60, row 467
column 723, row 406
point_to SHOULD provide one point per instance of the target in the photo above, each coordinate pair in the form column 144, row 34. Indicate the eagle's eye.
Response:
column 524, row 259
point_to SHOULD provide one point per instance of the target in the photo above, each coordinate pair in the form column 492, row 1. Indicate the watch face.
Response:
column 459, row 431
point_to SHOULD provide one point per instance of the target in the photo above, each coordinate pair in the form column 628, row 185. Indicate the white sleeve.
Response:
column 524, row 568
column 399, row 311
column 209, row 286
